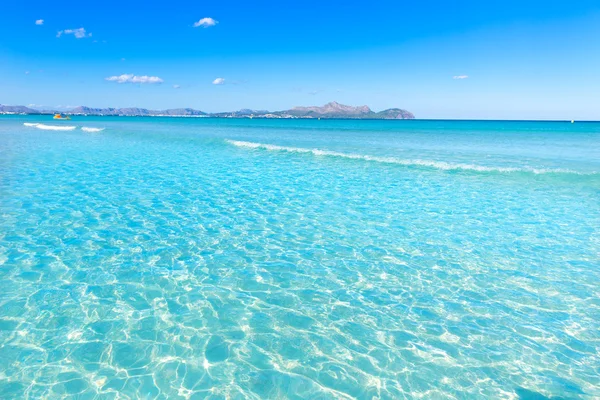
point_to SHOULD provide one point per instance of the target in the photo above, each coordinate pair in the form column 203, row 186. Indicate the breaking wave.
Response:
column 439, row 165
column 50, row 127
column 89, row 129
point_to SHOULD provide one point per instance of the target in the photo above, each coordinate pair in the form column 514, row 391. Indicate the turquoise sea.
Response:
column 188, row 258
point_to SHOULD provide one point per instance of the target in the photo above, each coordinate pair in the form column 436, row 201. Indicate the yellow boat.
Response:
column 61, row 116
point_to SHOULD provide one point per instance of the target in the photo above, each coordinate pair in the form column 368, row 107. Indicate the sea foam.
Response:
column 50, row 127
column 90, row 129
column 440, row 165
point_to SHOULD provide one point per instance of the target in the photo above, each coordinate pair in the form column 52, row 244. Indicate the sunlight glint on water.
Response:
column 190, row 258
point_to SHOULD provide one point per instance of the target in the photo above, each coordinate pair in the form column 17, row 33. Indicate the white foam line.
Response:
column 441, row 165
column 89, row 129
column 50, row 127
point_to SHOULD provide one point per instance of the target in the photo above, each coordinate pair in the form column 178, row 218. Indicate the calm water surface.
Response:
column 231, row 259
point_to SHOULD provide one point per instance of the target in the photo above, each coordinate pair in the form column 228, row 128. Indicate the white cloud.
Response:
column 176, row 86
column 39, row 22
column 205, row 23
column 131, row 78
column 78, row 33
column 219, row 81
column 122, row 59
column 146, row 79
column 460, row 77
column 26, row 72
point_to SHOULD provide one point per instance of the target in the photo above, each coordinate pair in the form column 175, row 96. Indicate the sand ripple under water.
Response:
column 159, row 261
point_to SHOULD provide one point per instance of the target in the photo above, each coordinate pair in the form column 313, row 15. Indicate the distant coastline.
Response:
column 332, row 110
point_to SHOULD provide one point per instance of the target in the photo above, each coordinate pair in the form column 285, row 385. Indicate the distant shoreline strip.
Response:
column 439, row 165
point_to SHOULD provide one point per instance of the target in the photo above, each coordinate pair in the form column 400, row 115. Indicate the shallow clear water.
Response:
column 192, row 258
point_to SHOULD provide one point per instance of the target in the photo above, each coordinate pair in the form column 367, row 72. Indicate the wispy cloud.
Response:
column 131, row 78
column 219, row 81
column 26, row 72
column 460, row 76
column 205, row 23
column 39, row 22
column 79, row 33
column 176, row 86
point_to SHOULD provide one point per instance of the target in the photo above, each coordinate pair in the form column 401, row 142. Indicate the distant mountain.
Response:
column 243, row 113
column 182, row 111
column 329, row 110
column 395, row 113
column 44, row 111
column 247, row 111
column 337, row 110
column 17, row 110
column 132, row 111
column 94, row 111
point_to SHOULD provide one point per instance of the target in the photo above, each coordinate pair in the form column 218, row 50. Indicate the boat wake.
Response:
column 439, row 165
column 89, row 129
column 50, row 127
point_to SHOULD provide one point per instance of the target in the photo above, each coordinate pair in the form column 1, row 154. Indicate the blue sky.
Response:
column 518, row 59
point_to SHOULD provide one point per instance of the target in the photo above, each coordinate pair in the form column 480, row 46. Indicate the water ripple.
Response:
column 139, row 265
